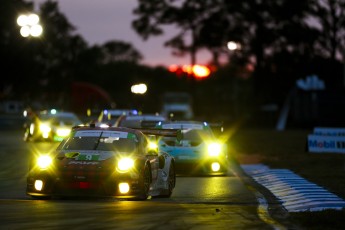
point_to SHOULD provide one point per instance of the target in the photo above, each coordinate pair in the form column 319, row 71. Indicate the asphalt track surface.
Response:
column 198, row 202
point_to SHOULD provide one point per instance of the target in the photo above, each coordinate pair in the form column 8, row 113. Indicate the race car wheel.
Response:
column 41, row 197
column 145, row 183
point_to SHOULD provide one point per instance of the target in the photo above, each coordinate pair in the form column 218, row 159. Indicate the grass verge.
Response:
column 287, row 150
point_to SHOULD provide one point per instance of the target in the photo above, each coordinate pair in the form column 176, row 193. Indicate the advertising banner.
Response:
column 320, row 143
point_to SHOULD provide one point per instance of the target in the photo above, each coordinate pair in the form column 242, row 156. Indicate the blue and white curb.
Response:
column 295, row 193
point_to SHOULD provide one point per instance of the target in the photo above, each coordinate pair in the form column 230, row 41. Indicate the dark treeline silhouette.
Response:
column 281, row 41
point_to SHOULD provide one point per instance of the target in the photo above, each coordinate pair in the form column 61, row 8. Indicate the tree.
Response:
column 187, row 16
column 119, row 51
column 62, row 46
column 329, row 17
column 330, row 21
column 14, row 49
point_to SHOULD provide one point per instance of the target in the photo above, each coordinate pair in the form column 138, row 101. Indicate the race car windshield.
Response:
column 196, row 135
column 117, row 144
column 193, row 136
column 80, row 143
column 56, row 120
column 102, row 144
column 65, row 120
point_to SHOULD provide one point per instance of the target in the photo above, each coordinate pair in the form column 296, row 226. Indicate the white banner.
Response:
column 330, row 144
column 325, row 131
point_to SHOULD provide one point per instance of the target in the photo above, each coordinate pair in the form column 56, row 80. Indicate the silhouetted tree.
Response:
column 115, row 51
column 329, row 17
column 61, row 45
column 187, row 16
column 15, row 52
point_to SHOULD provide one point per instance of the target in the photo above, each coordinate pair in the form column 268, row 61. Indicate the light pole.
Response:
column 344, row 67
column 139, row 89
column 233, row 45
column 232, row 48
column 29, row 25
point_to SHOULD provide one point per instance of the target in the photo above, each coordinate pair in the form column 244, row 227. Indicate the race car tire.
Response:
column 41, row 197
column 171, row 183
column 145, row 184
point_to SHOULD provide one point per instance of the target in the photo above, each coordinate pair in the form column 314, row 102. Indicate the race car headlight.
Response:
column 63, row 132
column 123, row 188
column 215, row 166
column 214, row 149
column 125, row 164
column 44, row 161
column 44, row 128
column 153, row 145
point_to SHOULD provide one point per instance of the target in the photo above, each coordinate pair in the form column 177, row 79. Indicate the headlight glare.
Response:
column 45, row 128
column 215, row 166
column 63, row 132
column 123, row 187
column 125, row 164
column 38, row 185
column 153, row 145
column 44, row 161
column 214, row 149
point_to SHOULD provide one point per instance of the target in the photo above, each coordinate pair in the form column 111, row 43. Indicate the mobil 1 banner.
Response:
column 325, row 131
column 330, row 144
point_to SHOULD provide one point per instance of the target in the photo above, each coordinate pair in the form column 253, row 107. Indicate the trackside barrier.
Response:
column 295, row 197
column 326, row 140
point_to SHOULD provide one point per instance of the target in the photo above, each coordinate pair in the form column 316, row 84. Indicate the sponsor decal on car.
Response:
column 83, row 162
column 88, row 157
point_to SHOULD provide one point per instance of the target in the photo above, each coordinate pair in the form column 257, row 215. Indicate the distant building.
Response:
column 177, row 106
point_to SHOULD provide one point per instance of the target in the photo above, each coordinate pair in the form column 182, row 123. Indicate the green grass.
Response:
column 287, row 150
column 322, row 220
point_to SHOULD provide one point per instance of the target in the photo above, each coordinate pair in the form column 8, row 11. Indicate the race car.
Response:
column 109, row 116
column 139, row 120
column 197, row 151
column 104, row 162
column 50, row 125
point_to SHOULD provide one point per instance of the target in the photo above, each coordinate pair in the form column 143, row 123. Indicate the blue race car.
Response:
column 197, row 150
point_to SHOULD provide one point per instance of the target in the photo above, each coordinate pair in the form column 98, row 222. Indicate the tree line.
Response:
column 281, row 41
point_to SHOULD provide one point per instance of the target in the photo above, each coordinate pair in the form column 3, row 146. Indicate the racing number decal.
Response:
column 88, row 157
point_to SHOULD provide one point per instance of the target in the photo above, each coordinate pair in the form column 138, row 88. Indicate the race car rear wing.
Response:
column 148, row 123
column 163, row 132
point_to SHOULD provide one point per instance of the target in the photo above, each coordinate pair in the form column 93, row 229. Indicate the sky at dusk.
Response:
column 104, row 20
